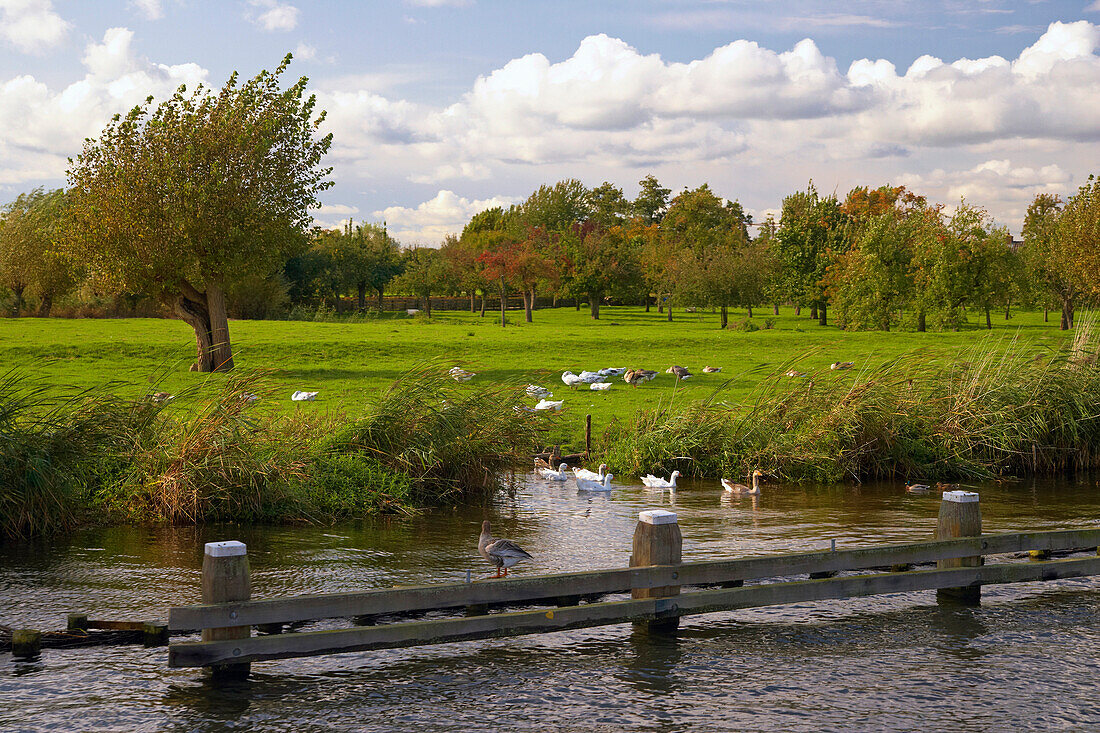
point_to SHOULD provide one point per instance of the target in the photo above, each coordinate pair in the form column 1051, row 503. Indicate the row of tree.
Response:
column 206, row 197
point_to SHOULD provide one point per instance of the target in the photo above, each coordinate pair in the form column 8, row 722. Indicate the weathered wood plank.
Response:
column 550, row 587
column 390, row 636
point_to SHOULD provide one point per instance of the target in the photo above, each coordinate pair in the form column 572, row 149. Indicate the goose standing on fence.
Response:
column 735, row 488
column 586, row 474
column 587, row 484
column 552, row 475
column 501, row 553
column 656, row 482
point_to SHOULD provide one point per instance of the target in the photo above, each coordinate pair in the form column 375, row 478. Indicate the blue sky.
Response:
column 443, row 107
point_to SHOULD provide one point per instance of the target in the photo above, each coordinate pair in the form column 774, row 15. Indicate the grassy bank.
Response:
column 347, row 362
column 999, row 409
column 231, row 455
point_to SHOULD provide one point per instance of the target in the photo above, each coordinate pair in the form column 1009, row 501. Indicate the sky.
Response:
column 442, row 108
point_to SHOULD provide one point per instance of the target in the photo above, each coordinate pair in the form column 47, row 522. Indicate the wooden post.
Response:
column 77, row 622
column 25, row 643
column 657, row 541
column 960, row 516
column 226, row 579
column 154, row 634
column 587, row 436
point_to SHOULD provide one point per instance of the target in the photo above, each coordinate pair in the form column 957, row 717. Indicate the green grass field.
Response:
column 348, row 363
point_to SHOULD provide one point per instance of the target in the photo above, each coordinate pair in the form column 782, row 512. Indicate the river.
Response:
column 1027, row 659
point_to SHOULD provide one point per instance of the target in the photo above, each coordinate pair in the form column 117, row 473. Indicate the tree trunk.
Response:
column 428, row 300
column 473, row 308
column 813, row 312
column 823, row 315
column 670, row 308
column 922, row 322
column 725, row 317
column 594, row 305
column 503, row 303
column 646, row 300
column 577, row 303
column 362, row 296
column 1067, row 314
column 988, row 322
column 528, row 305
column 750, row 311
column 798, row 310
column 17, row 305
column 193, row 312
column 775, row 309
column 1008, row 315
column 1046, row 315
column 45, row 305
column 380, row 303
column 482, row 303
column 660, row 305
column 222, row 349
column 534, row 294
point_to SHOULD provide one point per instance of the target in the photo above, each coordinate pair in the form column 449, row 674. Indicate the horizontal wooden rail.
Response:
column 537, row 588
column 391, row 636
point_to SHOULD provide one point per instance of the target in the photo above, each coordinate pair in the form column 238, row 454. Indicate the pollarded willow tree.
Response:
column 181, row 200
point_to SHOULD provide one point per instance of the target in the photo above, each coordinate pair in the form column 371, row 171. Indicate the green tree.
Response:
column 610, row 207
column 555, row 208
column 652, row 201
column 181, row 200
column 425, row 273
column 1078, row 235
column 364, row 257
column 812, row 232
column 33, row 257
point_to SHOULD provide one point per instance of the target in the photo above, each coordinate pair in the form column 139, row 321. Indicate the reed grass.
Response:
column 996, row 410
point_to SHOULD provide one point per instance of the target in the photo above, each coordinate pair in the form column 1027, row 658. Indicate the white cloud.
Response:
column 305, row 52
column 429, row 222
column 151, row 9
column 274, row 15
column 41, row 127
column 1094, row 7
column 31, row 26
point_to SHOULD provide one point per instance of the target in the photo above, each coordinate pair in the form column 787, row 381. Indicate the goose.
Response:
column 590, row 377
column 159, row 398
column 550, row 405
column 587, row 484
column 918, row 488
column 571, row 379
column 461, row 375
column 656, row 482
column 586, row 474
column 735, row 488
column 634, row 377
column 533, row 390
column 249, row 397
column 712, row 370
column 600, row 386
column 551, row 474
column 679, row 371
column 612, row 372
column 501, row 553
column 303, row 396
column 842, row 365
column 947, row 487
column 793, row 374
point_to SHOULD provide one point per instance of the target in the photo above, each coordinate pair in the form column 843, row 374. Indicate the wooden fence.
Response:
column 657, row 600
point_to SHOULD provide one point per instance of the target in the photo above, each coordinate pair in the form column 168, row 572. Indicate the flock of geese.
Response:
column 601, row 481
column 597, row 381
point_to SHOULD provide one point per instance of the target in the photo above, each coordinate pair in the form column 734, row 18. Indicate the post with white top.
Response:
column 226, row 579
column 960, row 516
column 657, row 541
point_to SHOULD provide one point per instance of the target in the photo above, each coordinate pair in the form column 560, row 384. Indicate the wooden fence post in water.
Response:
column 657, row 541
column 225, row 579
column 587, row 436
column 25, row 643
column 960, row 516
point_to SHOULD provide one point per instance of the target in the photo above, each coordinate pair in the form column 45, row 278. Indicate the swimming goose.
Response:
column 656, row 482
column 585, row 473
column 735, row 488
column 918, row 488
column 501, row 553
column 587, row 484
column 551, row 474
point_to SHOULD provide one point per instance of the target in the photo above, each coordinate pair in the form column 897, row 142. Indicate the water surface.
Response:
column 1026, row 659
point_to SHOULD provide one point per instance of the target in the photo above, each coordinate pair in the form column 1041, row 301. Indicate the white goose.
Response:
column 735, row 488
column 550, row 405
column 656, row 482
column 551, row 474
column 591, row 377
column 586, row 474
column 533, row 390
column 600, row 386
column 587, row 484
column 570, row 379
